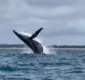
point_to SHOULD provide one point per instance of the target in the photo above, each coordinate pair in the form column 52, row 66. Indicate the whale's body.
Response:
column 31, row 41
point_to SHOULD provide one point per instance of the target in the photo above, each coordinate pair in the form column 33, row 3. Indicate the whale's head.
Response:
column 21, row 35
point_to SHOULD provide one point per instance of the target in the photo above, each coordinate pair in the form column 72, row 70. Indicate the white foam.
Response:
column 45, row 49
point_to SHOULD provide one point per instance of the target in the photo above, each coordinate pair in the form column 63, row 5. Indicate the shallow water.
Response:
column 16, row 64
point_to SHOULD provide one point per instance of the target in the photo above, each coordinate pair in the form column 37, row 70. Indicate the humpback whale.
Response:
column 30, row 40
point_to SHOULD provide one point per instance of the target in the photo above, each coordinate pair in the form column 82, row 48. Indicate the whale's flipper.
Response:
column 36, row 33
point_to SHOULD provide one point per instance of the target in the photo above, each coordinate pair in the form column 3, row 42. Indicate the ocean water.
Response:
column 19, row 64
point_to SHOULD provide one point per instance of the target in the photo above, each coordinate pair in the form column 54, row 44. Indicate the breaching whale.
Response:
column 30, row 41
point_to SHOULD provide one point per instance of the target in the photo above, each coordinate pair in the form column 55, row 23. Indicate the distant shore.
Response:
column 53, row 47
column 27, row 48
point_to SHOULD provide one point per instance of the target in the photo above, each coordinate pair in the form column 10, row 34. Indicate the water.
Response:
column 15, row 64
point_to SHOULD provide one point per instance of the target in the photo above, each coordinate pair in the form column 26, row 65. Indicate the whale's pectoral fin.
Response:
column 36, row 33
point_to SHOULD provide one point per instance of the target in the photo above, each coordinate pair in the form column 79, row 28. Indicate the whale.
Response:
column 30, row 40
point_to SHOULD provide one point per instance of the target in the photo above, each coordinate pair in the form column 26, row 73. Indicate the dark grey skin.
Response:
column 30, row 42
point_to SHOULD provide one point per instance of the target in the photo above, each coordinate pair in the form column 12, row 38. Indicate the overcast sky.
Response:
column 63, row 20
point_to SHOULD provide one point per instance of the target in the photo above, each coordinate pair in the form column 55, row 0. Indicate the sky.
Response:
column 63, row 20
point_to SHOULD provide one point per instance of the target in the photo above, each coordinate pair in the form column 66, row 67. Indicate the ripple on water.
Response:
column 64, row 65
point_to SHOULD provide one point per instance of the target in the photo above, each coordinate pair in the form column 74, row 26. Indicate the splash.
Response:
column 45, row 49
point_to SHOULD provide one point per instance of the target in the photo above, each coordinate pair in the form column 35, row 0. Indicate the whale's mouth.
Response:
column 20, row 34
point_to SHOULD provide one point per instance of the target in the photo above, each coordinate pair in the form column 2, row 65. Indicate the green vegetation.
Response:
column 12, row 45
column 50, row 46
column 68, row 46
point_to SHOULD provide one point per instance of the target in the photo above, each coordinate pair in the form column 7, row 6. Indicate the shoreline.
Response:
column 47, row 47
column 67, row 48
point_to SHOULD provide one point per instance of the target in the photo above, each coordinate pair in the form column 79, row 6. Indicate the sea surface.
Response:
column 19, row 64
